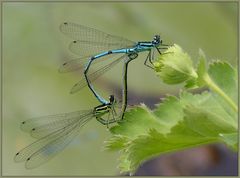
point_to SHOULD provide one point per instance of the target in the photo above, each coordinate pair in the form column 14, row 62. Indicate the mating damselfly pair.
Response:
column 55, row 132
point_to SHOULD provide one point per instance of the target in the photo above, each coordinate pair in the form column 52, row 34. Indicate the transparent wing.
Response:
column 43, row 130
column 79, row 63
column 48, row 146
column 93, row 76
column 90, row 41
column 73, row 65
column 86, row 48
column 54, row 147
column 42, row 126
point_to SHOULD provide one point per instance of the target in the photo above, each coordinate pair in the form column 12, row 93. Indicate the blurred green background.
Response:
column 34, row 48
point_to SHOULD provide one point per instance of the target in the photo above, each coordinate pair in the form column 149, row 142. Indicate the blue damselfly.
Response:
column 92, row 44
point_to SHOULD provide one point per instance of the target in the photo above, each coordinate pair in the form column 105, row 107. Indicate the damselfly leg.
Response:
column 112, row 109
column 148, row 59
column 99, row 45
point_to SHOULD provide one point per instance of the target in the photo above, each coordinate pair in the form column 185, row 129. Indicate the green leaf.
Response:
column 117, row 142
column 154, row 143
column 176, row 124
column 138, row 121
column 225, row 77
column 180, row 122
column 174, row 66
column 230, row 139
column 124, row 164
column 170, row 112
column 191, row 83
column 208, row 102
column 206, row 123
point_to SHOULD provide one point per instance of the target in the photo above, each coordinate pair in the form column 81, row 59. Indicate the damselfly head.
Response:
column 156, row 40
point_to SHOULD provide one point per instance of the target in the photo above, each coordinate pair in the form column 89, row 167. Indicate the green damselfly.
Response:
column 55, row 132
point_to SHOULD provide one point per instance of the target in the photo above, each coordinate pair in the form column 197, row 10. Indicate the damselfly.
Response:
column 92, row 44
column 55, row 132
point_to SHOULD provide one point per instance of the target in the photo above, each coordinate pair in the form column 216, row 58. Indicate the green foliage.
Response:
column 230, row 139
column 180, row 122
column 175, row 66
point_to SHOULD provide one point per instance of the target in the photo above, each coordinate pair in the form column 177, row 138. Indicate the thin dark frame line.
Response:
column 106, row 1
column 122, row 1
column 1, row 61
column 238, row 64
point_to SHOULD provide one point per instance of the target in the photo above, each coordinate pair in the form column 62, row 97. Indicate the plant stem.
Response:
column 216, row 89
